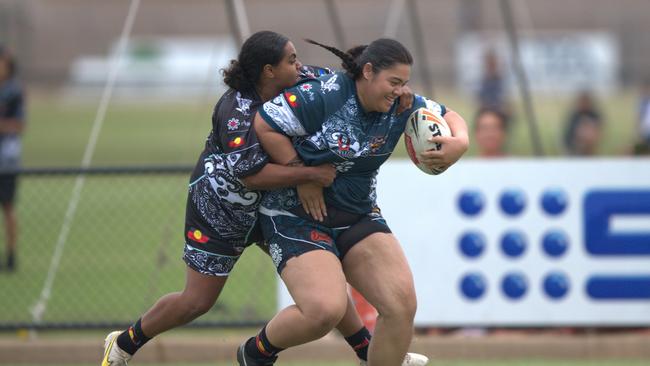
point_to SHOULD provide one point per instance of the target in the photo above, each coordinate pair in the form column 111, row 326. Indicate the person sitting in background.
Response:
column 490, row 133
column 582, row 134
column 12, row 120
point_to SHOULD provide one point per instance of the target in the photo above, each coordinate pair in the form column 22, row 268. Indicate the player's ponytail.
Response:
column 260, row 49
column 348, row 64
column 381, row 54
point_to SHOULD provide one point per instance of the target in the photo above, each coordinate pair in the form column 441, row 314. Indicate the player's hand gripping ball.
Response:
column 423, row 124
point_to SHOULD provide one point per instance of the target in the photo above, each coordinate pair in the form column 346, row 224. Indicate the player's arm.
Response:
column 453, row 147
column 273, row 176
column 282, row 152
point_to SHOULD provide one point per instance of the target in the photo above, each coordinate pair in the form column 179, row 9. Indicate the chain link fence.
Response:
column 122, row 252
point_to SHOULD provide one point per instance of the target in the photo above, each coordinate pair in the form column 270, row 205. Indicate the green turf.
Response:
column 122, row 253
column 126, row 239
column 163, row 133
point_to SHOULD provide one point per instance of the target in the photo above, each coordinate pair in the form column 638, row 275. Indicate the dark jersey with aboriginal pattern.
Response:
column 221, row 212
column 328, row 125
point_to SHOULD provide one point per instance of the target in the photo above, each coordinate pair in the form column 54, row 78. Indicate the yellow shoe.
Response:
column 113, row 354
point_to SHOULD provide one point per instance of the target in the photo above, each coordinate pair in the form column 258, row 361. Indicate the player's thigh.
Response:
column 378, row 269
column 316, row 283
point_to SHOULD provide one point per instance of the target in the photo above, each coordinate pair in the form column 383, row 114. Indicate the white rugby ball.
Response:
column 421, row 125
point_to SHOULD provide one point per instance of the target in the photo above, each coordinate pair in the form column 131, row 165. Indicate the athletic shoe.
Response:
column 246, row 360
column 411, row 359
column 113, row 354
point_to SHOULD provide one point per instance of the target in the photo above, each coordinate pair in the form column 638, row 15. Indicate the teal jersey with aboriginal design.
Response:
column 327, row 124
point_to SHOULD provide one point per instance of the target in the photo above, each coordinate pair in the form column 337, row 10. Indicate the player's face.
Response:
column 387, row 85
column 286, row 71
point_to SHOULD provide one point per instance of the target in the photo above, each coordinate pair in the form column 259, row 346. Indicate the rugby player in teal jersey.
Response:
column 319, row 237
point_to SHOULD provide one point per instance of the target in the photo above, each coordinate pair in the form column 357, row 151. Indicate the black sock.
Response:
column 260, row 347
column 132, row 339
column 359, row 342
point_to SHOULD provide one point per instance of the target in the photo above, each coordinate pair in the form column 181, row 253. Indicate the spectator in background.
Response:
column 643, row 144
column 490, row 132
column 492, row 93
column 12, row 119
column 583, row 127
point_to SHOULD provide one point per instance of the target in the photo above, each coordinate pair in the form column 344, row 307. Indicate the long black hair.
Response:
column 262, row 48
column 381, row 54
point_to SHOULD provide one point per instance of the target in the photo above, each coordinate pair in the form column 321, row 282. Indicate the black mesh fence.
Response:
column 122, row 251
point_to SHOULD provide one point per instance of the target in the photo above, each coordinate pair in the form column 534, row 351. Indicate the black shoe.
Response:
column 246, row 360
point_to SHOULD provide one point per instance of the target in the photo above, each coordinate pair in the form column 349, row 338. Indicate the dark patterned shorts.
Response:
column 209, row 263
column 289, row 236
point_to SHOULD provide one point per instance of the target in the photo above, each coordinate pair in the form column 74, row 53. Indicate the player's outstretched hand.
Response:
column 311, row 197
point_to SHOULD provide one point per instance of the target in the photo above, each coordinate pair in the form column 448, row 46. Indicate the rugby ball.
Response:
column 421, row 125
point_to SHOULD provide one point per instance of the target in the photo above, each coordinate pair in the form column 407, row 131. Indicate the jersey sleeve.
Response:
column 302, row 109
column 298, row 111
column 238, row 141
column 421, row 101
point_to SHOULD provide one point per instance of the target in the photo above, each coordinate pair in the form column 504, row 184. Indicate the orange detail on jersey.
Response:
column 292, row 99
column 197, row 236
column 132, row 335
column 236, row 142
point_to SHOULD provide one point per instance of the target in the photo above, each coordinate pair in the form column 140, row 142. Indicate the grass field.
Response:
column 126, row 238
column 173, row 133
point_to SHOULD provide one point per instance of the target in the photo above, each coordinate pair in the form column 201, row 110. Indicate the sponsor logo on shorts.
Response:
column 320, row 237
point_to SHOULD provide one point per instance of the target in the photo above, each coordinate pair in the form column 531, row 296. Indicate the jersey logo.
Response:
column 197, row 236
column 292, row 99
column 236, row 142
column 306, row 89
column 329, row 85
column 344, row 143
column 376, row 143
column 233, row 124
column 244, row 104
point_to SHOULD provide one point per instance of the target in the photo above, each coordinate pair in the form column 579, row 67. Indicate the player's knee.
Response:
column 197, row 306
column 324, row 316
column 400, row 306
